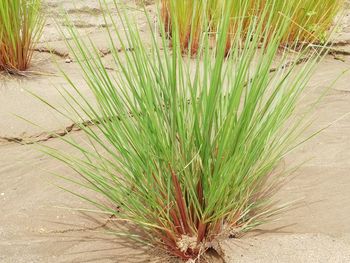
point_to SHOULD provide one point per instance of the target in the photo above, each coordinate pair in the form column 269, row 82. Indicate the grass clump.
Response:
column 186, row 150
column 21, row 24
column 311, row 20
column 190, row 18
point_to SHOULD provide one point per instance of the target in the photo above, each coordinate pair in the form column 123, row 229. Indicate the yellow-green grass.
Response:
column 190, row 16
column 21, row 24
column 311, row 20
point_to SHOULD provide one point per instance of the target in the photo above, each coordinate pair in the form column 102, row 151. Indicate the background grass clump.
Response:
column 311, row 20
column 186, row 150
column 21, row 24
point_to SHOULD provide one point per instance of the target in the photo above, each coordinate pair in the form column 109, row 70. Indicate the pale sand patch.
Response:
column 293, row 248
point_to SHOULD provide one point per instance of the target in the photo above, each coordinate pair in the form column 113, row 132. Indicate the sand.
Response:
column 296, row 248
column 36, row 224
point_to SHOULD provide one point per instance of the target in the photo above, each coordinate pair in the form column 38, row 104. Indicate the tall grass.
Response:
column 190, row 18
column 311, row 20
column 21, row 24
column 186, row 150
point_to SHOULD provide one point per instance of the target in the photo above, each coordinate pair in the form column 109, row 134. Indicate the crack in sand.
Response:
column 335, row 51
column 340, row 43
column 290, row 63
column 103, row 52
column 343, row 91
column 45, row 136
column 74, row 127
column 52, row 51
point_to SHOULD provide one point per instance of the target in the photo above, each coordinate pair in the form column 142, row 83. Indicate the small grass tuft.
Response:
column 21, row 24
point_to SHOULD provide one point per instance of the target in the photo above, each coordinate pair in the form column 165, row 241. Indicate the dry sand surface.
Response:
column 36, row 226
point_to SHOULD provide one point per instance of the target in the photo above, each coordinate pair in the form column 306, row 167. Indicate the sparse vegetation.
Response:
column 21, row 24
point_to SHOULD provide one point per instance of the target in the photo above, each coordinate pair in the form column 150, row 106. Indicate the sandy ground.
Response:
column 36, row 224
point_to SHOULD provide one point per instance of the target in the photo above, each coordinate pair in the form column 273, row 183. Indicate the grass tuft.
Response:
column 21, row 24
column 187, row 150
column 311, row 20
